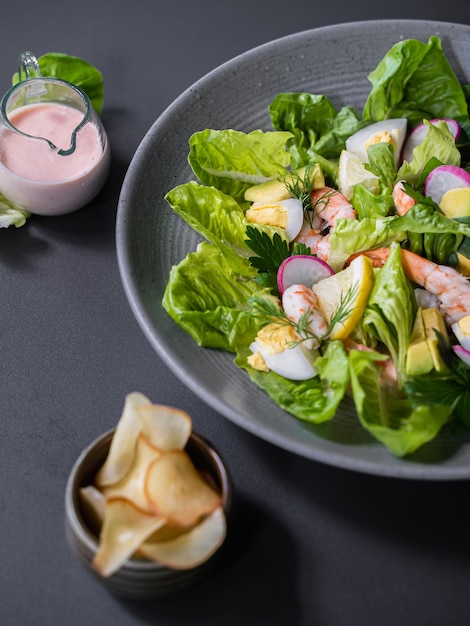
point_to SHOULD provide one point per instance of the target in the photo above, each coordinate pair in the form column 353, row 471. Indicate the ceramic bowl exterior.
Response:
column 335, row 61
column 138, row 578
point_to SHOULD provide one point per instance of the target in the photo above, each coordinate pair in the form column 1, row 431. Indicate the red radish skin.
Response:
column 419, row 132
column 443, row 178
column 301, row 269
column 463, row 354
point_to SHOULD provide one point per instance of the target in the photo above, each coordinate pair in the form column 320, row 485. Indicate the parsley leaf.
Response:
column 271, row 252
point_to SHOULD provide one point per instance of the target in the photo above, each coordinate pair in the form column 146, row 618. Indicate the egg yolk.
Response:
column 383, row 136
column 464, row 325
column 268, row 214
column 276, row 337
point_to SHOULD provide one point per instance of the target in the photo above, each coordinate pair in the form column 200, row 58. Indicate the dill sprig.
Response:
column 300, row 187
column 345, row 306
column 268, row 310
column 323, row 201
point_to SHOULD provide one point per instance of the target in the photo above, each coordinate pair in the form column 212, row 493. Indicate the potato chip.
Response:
column 93, row 504
column 191, row 548
column 149, row 500
column 166, row 427
column 124, row 529
column 122, row 449
column 177, row 491
column 131, row 486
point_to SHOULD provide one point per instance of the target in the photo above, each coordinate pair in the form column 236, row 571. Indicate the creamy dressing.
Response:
column 35, row 176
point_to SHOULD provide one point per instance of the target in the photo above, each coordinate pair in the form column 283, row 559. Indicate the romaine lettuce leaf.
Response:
column 214, row 215
column 349, row 236
column 415, row 80
column 368, row 204
column 391, row 310
column 377, row 231
column 424, row 218
column 232, row 161
column 319, row 131
column 393, row 419
column 11, row 214
column 208, row 299
column 382, row 163
column 439, row 144
column 315, row 400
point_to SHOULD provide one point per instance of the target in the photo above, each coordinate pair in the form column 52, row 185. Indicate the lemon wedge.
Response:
column 348, row 291
column 351, row 171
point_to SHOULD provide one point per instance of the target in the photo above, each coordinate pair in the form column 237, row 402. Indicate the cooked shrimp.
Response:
column 328, row 206
column 447, row 284
column 402, row 201
column 299, row 301
column 310, row 233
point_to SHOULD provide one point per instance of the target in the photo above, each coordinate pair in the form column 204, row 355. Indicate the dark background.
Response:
column 310, row 544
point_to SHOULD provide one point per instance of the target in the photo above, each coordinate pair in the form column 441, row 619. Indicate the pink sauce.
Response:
column 38, row 178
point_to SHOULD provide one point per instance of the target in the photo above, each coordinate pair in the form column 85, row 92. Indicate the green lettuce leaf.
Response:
column 11, row 214
column 319, row 131
column 439, row 144
column 391, row 310
column 232, row 161
column 415, row 80
column 209, row 300
column 400, row 424
column 315, row 400
column 368, row 204
column 382, row 163
column 377, row 231
column 214, row 215
column 349, row 236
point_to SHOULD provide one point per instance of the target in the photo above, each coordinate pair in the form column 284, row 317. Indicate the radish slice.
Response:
column 301, row 269
column 419, row 133
column 360, row 140
column 443, row 178
column 463, row 354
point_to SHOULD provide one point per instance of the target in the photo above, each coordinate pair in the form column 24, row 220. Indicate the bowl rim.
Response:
column 332, row 455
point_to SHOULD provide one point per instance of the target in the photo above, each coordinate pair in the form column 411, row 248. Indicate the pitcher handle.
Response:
column 28, row 66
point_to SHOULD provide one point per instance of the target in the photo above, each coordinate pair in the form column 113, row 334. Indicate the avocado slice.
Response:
column 433, row 321
column 278, row 189
column 419, row 359
column 423, row 351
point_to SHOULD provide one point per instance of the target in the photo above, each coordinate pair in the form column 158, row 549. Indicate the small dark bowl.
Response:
column 138, row 578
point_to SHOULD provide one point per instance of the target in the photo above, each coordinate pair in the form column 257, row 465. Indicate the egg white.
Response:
column 462, row 332
column 292, row 206
column 295, row 363
column 359, row 141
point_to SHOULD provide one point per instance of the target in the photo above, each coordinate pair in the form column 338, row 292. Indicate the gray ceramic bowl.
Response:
column 138, row 578
column 335, row 61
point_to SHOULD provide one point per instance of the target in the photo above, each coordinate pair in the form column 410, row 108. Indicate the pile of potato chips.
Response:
column 148, row 499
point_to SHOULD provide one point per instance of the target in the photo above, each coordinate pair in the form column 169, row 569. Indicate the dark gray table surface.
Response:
column 309, row 544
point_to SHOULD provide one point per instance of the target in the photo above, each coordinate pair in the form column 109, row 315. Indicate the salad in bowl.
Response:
column 336, row 251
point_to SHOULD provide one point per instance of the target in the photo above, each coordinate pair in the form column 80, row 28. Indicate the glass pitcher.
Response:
column 54, row 152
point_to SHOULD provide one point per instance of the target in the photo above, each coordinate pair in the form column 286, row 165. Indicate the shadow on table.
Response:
column 255, row 582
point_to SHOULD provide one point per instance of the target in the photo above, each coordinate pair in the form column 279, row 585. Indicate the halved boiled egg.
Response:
column 277, row 348
column 286, row 214
column 392, row 131
column 462, row 331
